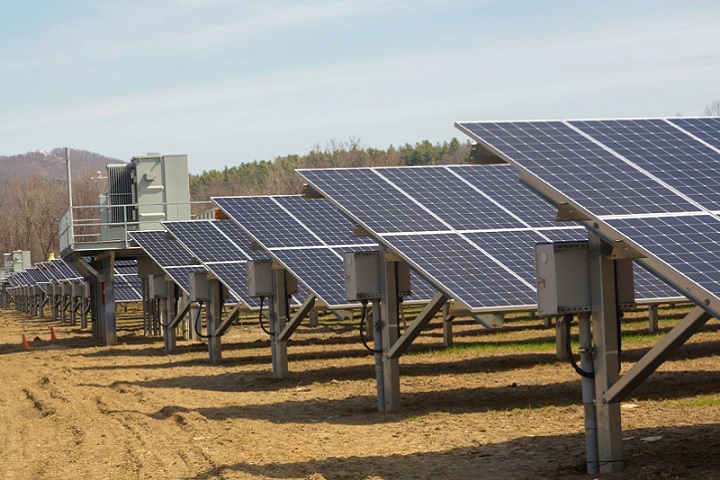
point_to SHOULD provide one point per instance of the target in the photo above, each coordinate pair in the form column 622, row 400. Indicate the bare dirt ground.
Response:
column 498, row 406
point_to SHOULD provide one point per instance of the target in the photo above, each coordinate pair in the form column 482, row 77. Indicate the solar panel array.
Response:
column 223, row 249
column 651, row 182
column 470, row 230
column 308, row 237
column 128, row 286
column 169, row 255
column 127, row 283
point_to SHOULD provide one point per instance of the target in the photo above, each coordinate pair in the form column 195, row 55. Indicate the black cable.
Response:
column 363, row 315
column 197, row 323
column 566, row 320
column 260, row 319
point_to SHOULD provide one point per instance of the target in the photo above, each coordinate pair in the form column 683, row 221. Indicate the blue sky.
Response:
column 235, row 81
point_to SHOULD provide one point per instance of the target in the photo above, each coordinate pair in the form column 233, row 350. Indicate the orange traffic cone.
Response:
column 26, row 345
column 52, row 333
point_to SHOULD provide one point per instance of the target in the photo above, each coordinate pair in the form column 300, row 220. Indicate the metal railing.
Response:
column 91, row 224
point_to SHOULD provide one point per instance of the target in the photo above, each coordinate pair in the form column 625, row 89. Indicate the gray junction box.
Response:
column 362, row 276
column 200, row 290
column 260, row 279
column 563, row 279
column 158, row 286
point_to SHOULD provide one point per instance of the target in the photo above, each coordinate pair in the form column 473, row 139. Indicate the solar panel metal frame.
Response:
column 599, row 224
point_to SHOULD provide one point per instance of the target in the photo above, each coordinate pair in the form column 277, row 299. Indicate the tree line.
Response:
column 278, row 176
column 32, row 205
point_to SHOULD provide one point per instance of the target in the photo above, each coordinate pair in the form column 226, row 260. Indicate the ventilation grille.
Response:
column 120, row 198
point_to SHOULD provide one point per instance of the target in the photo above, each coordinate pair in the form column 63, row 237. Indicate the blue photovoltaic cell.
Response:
column 67, row 273
column 289, row 221
column 706, row 129
column 126, row 290
column 205, row 242
column 36, row 275
column 514, row 249
column 689, row 244
column 463, row 271
column 379, row 206
column 263, row 217
column 590, row 176
column 240, row 238
column 502, row 184
column 649, row 287
column 321, row 268
column 234, row 276
column 454, row 201
column 670, row 155
column 164, row 252
column 322, row 218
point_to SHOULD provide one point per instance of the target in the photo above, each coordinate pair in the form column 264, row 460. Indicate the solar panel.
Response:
column 690, row 243
column 322, row 218
column 705, row 129
column 240, row 238
column 264, row 218
column 674, row 157
column 463, row 271
column 169, row 255
column 307, row 262
column 164, row 252
column 218, row 253
column 671, row 156
column 386, row 210
column 457, row 202
column 36, row 275
column 206, row 242
column 590, row 176
column 497, row 253
column 128, row 286
column 313, row 254
column 501, row 184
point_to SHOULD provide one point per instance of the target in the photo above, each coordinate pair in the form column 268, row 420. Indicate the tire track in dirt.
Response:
column 141, row 453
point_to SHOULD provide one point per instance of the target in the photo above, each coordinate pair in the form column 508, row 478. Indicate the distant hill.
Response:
column 51, row 165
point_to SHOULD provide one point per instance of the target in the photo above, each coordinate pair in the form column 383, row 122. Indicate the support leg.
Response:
column 606, row 353
column 653, row 318
column 278, row 319
column 389, row 315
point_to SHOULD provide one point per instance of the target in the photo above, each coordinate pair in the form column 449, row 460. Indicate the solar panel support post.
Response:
column 190, row 333
column 448, row 317
column 588, row 391
column 106, row 319
column 53, row 303
column 169, row 335
column 374, row 316
column 214, row 317
column 653, row 318
column 561, row 339
column 73, row 303
column 389, row 317
column 606, row 352
column 278, row 314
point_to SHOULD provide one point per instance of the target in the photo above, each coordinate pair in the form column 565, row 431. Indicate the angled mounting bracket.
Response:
column 567, row 213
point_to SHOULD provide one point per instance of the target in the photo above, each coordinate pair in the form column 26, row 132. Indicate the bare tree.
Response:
column 712, row 110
